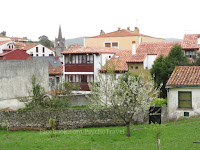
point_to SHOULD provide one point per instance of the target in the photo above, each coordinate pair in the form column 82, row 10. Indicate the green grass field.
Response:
column 177, row 135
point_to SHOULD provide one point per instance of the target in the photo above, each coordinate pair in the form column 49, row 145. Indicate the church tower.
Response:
column 59, row 43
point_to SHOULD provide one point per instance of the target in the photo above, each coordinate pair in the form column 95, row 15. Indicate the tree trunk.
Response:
column 128, row 129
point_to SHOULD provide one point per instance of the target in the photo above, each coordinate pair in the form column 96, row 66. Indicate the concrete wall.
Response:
column 172, row 101
column 16, row 78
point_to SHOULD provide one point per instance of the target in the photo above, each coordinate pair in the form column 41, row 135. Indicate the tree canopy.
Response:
column 44, row 40
column 3, row 33
column 127, row 96
column 164, row 66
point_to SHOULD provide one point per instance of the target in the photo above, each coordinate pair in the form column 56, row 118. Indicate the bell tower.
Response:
column 60, row 45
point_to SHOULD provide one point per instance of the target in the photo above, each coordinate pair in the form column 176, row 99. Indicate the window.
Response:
column 36, row 49
column 136, row 67
column 76, row 59
column 66, row 78
column 80, row 59
column 112, row 44
column 84, row 58
column 43, row 54
column 73, row 59
column 36, row 54
column 131, row 67
column 115, row 45
column 43, row 50
column 107, row 45
column 67, row 59
column 57, row 80
column 184, row 99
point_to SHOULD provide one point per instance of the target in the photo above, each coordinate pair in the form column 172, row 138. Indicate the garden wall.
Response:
column 66, row 119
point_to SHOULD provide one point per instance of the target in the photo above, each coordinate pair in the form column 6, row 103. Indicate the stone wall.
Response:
column 67, row 118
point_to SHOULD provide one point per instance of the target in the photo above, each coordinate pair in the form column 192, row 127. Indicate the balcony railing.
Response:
column 79, row 67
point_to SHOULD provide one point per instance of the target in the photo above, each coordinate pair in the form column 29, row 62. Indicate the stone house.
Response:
column 183, row 88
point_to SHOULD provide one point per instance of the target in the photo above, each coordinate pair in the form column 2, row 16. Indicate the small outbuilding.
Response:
column 183, row 94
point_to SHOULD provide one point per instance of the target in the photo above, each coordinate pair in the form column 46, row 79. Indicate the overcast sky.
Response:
column 158, row 18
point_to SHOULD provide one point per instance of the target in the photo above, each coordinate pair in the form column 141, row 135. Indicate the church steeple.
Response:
column 60, row 45
column 59, row 33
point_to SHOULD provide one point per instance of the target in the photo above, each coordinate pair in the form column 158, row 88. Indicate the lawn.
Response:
column 177, row 135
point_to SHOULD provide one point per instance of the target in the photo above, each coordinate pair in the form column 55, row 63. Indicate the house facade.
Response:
column 37, row 49
column 123, row 39
column 191, row 44
column 4, row 45
column 183, row 92
column 142, row 60
column 81, row 65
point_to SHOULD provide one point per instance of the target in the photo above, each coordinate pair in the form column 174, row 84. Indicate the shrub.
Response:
column 159, row 102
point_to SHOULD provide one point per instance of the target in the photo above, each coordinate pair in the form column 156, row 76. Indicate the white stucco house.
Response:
column 4, row 45
column 82, row 64
column 183, row 96
column 37, row 49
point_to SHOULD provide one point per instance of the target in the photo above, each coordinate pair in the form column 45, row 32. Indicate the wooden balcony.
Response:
column 79, row 67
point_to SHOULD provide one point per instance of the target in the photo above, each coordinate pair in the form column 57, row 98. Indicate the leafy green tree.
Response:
column 44, row 40
column 163, row 67
column 3, row 33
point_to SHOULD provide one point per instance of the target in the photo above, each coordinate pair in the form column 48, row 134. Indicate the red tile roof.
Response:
column 93, row 50
column 3, row 42
column 190, row 41
column 151, row 48
column 118, row 61
column 56, row 70
column 29, row 46
column 18, row 44
column 185, row 76
column 120, row 33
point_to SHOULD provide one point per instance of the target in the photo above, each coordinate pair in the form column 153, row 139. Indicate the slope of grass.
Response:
column 174, row 136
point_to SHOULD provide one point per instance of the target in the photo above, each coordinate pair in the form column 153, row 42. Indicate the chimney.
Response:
column 119, row 30
column 133, row 48
column 102, row 32
column 128, row 28
column 136, row 31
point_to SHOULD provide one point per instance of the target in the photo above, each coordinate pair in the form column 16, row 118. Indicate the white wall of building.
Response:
column 149, row 60
column 4, row 46
column 105, row 57
column 172, row 103
column 40, row 52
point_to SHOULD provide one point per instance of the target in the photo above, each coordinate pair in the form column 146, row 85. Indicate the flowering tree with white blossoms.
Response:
column 128, row 95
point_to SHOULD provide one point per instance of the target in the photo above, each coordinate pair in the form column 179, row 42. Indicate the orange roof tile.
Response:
column 3, row 42
column 56, row 70
column 190, row 41
column 29, row 46
column 93, row 50
column 120, row 33
column 151, row 48
column 118, row 61
column 185, row 76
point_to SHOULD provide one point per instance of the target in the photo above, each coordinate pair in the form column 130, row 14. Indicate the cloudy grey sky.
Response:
column 158, row 18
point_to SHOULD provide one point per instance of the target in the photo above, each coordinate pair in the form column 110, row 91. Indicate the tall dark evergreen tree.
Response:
column 163, row 67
